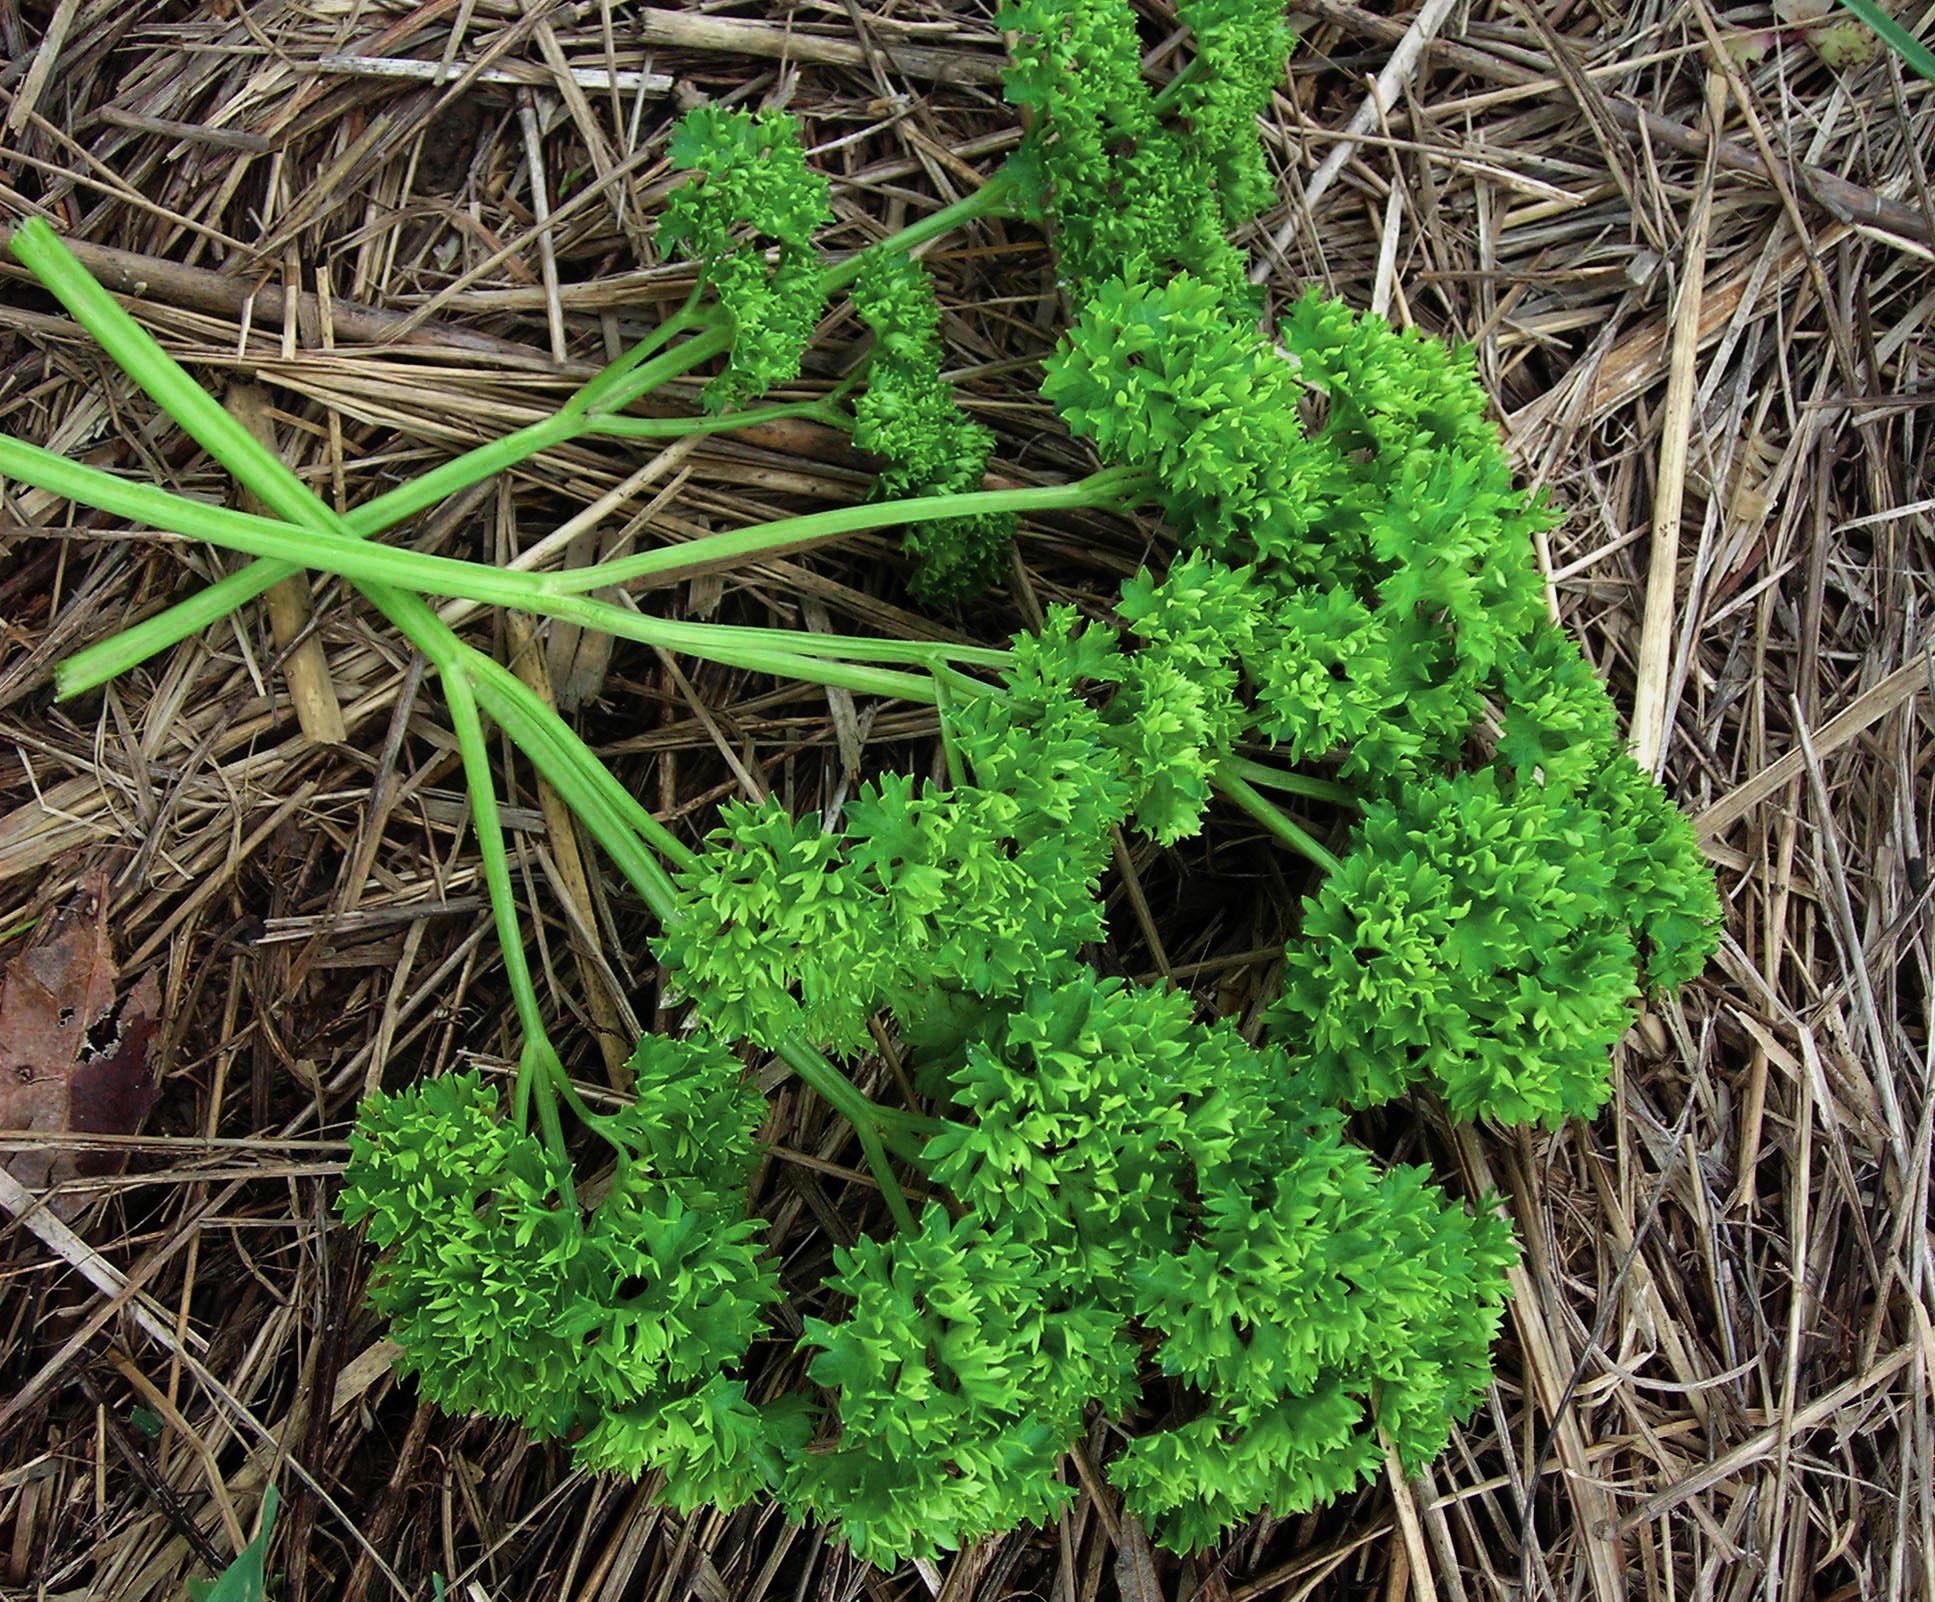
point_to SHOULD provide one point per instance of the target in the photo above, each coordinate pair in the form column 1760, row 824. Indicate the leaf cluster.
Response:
column 1125, row 192
column 616, row 1326
column 1490, row 927
column 909, row 417
column 747, row 215
column 785, row 928
column 961, row 1373
column 1475, row 938
column 1185, row 1184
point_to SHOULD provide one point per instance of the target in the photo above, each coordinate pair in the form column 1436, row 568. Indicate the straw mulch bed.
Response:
column 1714, row 1378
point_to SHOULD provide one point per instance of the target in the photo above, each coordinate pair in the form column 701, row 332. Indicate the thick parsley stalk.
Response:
column 39, row 249
column 365, row 564
column 596, row 409
column 361, row 562
column 1234, row 784
column 616, row 819
column 562, row 594
column 94, row 665
column 538, row 1065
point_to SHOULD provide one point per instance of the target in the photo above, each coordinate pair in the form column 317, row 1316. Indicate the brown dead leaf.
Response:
column 72, row 1059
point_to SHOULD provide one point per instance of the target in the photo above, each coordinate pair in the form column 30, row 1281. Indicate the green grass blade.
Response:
column 1895, row 36
column 246, row 1578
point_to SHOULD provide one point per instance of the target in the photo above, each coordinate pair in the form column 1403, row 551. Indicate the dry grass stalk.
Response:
column 1652, row 695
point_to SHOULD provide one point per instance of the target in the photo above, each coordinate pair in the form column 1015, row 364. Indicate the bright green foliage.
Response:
column 752, row 197
column 1206, row 1476
column 1660, row 876
column 1558, row 723
column 693, row 1288
column 1403, row 494
column 1076, row 67
column 1125, row 195
column 1167, row 375
column 1432, row 534
column 1139, row 1215
column 786, row 929
column 1472, row 938
column 1453, row 559
column 909, row 416
column 1084, row 1121
column 1043, row 745
column 476, row 1238
column 1207, row 611
column 1315, row 1306
column 1241, row 46
column 1135, row 1217
column 711, row 1444
column 1322, row 670
column 773, row 938
column 961, row 1375
column 1377, row 577
column 1177, row 713
column 1333, row 1269
column 1390, row 391
column 693, row 1121
column 507, row 1300
column 974, row 907
column 1175, row 1176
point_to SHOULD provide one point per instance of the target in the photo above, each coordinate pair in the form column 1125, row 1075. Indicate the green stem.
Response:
column 95, row 665
column 620, row 823
column 1112, row 487
column 958, row 683
column 818, row 410
column 832, row 1087
column 904, row 1133
column 596, row 776
column 1292, row 783
column 538, row 1064
column 799, row 653
column 1267, row 813
column 591, row 410
column 559, row 754
column 345, row 551
column 905, row 1118
column 604, row 384
column 998, row 197
column 780, row 653
column 574, row 419
column 365, row 564
column 950, row 749
column 558, row 751
column 360, row 562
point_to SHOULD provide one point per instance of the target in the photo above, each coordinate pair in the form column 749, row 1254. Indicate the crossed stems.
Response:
column 306, row 533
